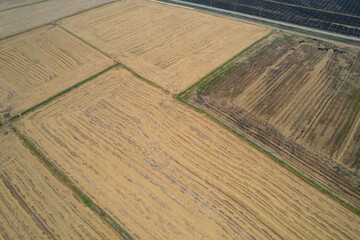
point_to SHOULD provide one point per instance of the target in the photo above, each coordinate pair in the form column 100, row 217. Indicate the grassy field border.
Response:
column 118, row 62
column 24, row 5
column 311, row 181
column 209, row 79
column 84, row 41
column 58, row 173
column 60, row 93
column 181, row 97
column 53, row 22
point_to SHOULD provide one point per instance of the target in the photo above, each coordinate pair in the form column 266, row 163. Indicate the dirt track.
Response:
column 168, row 172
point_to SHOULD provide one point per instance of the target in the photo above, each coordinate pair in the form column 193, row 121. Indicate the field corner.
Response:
column 58, row 173
column 209, row 79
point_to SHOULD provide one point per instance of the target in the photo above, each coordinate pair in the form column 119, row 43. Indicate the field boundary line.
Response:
column 184, row 94
column 293, row 28
column 183, row 97
column 53, row 22
column 84, row 41
column 61, row 175
column 118, row 62
column 291, row 168
column 24, row 5
column 144, row 79
column 61, row 93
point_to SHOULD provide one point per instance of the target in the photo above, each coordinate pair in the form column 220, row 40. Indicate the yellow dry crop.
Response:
column 168, row 172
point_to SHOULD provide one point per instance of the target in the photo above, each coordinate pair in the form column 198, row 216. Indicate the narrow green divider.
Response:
column 311, row 181
column 67, row 181
column 144, row 79
column 86, row 42
column 61, row 93
column 53, row 22
column 208, row 80
column 122, row 65
column 25, row 5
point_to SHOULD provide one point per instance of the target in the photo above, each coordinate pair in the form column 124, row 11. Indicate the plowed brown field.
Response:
column 300, row 97
column 167, row 172
column 39, row 64
column 35, row 205
column 171, row 46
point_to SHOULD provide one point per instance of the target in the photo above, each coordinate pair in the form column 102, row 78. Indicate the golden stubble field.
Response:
column 171, row 46
column 21, row 15
column 39, row 64
column 165, row 171
column 36, row 205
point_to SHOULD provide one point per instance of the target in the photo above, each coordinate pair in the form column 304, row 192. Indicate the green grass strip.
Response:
column 144, row 79
column 122, row 65
column 61, row 93
column 311, row 181
column 209, row 78
column 84, row 41
column 25, row 5
column 67, row 181
column 59, row 19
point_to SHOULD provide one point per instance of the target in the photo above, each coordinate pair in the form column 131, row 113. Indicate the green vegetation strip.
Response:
column 349, row 205
column 86, row 42
column 25, row 5
column 54, row 21
column 144, row 79
column 67, row 181
column 212, row 78
column 124, row 66
column 61, row 93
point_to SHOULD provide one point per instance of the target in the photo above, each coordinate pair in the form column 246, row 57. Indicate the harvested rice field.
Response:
column 40, row 64
column 36, row 205
column 6, row 5
column 171, row 46
column 165, row 171
column 300, row 98
column 17, row 16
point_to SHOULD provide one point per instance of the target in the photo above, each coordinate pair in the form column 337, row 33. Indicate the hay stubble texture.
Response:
column 18, row 16
column 36, row 205
column 171, row 46
column 165, row 171
column 40, row 64
column 300, row 97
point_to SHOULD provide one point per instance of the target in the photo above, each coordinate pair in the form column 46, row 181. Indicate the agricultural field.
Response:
column 329, row 15
column 21, row 15
column 298, row 97
column 165, row 171
column 40, row 64
column 171, row 46
column 36, row 205
column 6, row 5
